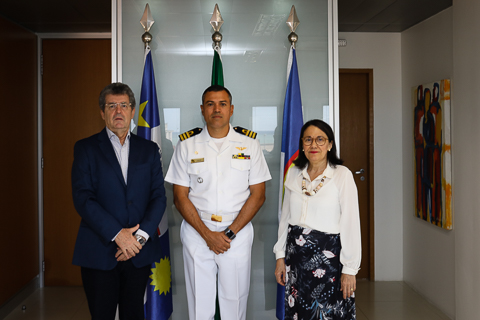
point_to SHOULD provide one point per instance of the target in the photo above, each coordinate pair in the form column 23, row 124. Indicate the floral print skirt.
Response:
column 312, row 289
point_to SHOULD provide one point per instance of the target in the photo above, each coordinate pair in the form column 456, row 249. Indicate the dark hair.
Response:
column 216, row 88
column 332, row 157
column 116, row 89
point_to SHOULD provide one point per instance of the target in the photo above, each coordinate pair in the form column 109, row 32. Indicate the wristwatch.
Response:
column 229, row 233
column 140, row 239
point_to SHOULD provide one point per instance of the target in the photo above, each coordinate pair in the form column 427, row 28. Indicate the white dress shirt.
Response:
column 333, row 209
column 219, row 180
column 122, row 152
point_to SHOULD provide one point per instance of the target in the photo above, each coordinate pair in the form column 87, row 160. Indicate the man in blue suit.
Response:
column 118, row 191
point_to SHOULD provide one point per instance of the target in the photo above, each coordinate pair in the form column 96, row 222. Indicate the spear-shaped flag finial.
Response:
column 292, row 20
column 147, row 20
column 293, row 23
column 216, row 20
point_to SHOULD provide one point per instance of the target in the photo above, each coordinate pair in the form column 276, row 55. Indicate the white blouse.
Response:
column 333, row 209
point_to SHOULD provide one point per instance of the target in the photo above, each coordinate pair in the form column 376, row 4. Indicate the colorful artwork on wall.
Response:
column 433, row 169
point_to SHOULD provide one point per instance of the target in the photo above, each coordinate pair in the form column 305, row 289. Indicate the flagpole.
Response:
column 217, row 79
column 291, row 126
column 158, row 293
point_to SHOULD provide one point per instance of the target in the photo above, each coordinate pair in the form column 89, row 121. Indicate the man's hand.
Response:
column 218, row 242
column 120, row 256
column 127, row 243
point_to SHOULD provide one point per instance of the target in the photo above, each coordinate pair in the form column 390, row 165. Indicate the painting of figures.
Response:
column 433, row 176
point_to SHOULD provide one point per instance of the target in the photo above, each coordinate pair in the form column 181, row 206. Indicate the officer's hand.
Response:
column 218, row 242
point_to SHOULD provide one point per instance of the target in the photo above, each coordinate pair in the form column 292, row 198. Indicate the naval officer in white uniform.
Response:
column 218, row 175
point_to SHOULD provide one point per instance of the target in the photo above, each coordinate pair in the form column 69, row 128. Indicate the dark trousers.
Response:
column 124, row 286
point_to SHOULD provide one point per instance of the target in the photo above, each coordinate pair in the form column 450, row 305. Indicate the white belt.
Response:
column 218, row 218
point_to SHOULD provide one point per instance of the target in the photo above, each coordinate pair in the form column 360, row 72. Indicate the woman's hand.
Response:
column 280, row 271
column 348, row 284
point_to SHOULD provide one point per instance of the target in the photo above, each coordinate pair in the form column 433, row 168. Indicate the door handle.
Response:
column 361, row 171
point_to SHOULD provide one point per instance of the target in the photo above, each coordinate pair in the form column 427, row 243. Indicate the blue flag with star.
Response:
column 148, row 117
column 158, row 303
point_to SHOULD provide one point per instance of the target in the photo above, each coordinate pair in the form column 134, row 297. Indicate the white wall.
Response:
column 428, row 251
column 466, row 156
column 381, row 52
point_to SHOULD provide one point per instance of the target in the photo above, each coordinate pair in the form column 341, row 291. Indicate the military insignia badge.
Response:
column 241, row 156
column 190, row 133
column 246, row 132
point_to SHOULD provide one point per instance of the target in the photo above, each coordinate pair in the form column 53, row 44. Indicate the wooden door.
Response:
column 18, row 162
column 74, row 73
column 356, row 143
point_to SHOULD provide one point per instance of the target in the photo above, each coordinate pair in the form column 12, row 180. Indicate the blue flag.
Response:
column 159, row 303
column 292, row 124
column 148, row 117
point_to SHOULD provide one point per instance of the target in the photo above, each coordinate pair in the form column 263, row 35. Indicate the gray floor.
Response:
column 375, row 301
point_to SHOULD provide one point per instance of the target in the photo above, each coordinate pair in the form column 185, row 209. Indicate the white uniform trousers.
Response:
column 201, row 267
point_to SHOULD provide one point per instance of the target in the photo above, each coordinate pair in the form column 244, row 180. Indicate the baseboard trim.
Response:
column 17, row 299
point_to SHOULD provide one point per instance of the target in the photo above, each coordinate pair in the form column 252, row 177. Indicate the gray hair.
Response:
column 116, row 89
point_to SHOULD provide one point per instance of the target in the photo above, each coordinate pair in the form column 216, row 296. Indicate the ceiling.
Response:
column 58, row 16
column 69, row 16
column 386, row 15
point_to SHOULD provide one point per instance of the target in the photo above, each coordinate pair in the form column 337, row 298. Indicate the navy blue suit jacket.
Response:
column 106, row 204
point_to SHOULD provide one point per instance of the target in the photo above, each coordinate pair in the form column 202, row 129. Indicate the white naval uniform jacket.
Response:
column 219, row 180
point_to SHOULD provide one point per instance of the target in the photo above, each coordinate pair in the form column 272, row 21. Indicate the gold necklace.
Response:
column 304, row 187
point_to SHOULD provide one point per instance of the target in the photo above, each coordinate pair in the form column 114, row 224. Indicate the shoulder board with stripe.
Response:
column 246, row 132
column 189, row 133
